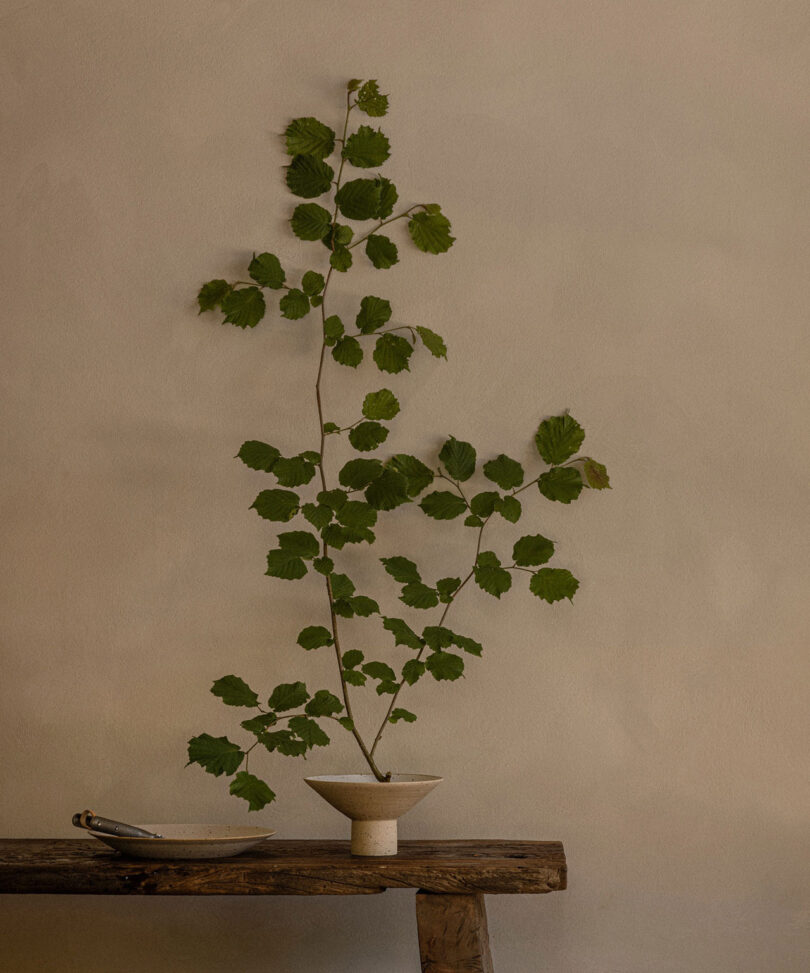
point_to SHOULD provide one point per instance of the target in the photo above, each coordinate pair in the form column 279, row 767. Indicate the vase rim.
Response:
column 397, row 780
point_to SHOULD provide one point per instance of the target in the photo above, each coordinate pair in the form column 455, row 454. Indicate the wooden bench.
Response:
column 451, row 879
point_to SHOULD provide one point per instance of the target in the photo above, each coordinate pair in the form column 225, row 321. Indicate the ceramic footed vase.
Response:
column 373, row 807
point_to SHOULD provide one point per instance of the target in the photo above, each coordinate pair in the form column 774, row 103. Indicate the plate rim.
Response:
column 259, row 836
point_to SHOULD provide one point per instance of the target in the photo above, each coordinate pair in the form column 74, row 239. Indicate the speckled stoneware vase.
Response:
column 373, row 807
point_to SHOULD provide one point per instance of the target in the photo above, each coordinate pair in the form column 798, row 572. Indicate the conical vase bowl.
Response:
column 373, row 806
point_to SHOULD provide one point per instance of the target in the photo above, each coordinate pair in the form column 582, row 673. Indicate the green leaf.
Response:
column 300, row 543
column 412, row 671
column 318, row 515
column 316, row 301
column 309, row 731
column 357, row 514
column 391, row 353
column 445, row 665
column 388, row 491
column 401, row 569
column 473, row 521
column 379, row 670
column 294, row 471
column 431, row 232
column 380, row 405
column 401, row 714
column 345, row 722
column 483, row 504
column 506, row 472
column 381, row 251
column 553, row 584
column 323, row 703
column 216, row 754
column 337, row 536
column 338, row 235
column 532, row 549
column 342, row 586
column 323, row 565
column 285, row 743
column 354, row 678
column 367, row 436
column 354, row 84
column 282, row 564
column 374, row 313
column 458, row 458
column 446, row 587
column 414, row 470
column 258, row 455
column 558, row 438
column 330, row 428
column 468, row 644
column 314, row 637
column 212, row 294
column 367, row 148
column 234, row 691
column 294, row 304
column 288, row 695
column 312, row 283
column 433, row 342
column 370, row 101
column 276, row 504
column 490, row 576
column 334, row 499
column 358, row 473
column 252, row 790
column 244, row 308
column 310, row 221
column 387, row 686
column 333, row 330
column 437, row 637
column 341, row 259
column 309, row 177
column 418, row 595
column 563, row 483
column 364, row 606
column 596, row 475
column 352, row 658
column 267, row 271
column 388, row 197
column 403, row 633
column 308, row 136
column 443, row 505
column 258, row 724
column 359, row 199
column 509, row 508
column 348, row 352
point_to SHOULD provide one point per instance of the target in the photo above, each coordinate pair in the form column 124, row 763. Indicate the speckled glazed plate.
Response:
column 187, row 841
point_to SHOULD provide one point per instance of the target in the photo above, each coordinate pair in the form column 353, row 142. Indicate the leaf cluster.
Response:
column 343, row 215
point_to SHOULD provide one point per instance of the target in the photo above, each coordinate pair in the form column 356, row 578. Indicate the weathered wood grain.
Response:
column 453, row 936
column 279, row 867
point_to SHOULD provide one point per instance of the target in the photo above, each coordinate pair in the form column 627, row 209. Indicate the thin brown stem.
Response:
column 382, row 223
column 333, row 616
column 419, row 655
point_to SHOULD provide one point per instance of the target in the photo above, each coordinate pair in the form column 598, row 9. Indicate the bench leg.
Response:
column 453, row 935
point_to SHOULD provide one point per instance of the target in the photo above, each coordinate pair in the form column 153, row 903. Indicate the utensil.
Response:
column 90, row 821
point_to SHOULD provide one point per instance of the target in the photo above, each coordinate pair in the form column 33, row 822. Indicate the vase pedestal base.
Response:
column 374, row 838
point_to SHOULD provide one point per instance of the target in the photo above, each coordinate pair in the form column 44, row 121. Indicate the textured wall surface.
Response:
column 629, row 185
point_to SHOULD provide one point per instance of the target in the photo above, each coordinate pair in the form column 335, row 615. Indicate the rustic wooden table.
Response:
column 451, row 879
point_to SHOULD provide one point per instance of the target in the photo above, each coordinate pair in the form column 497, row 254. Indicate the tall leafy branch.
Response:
column 348, row 509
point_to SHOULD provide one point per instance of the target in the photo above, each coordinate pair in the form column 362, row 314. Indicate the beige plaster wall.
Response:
column 628, row 182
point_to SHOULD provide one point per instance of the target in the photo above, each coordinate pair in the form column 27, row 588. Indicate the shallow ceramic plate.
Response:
column 187, row 841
